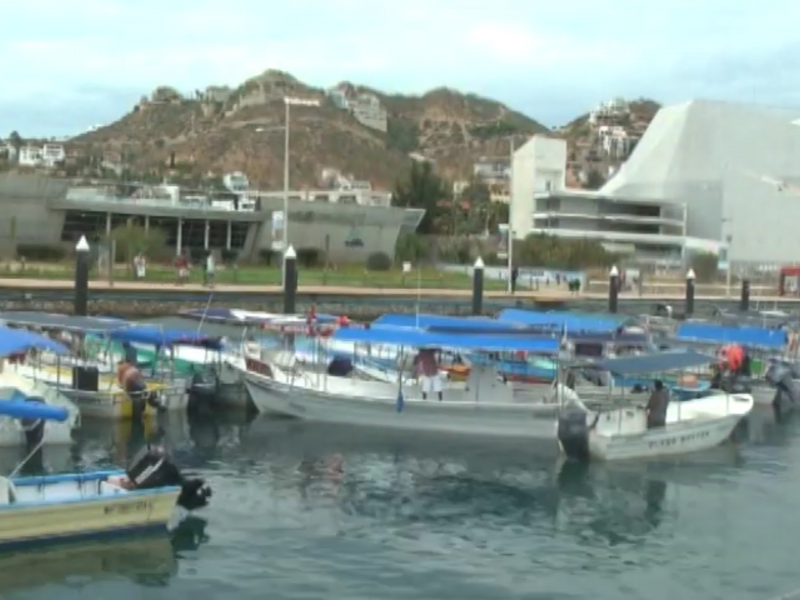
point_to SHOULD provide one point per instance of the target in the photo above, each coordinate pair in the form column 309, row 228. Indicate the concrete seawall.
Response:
column 146, row 299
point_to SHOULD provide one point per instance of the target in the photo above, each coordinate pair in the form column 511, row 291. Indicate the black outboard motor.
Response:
column 786, row 394
column 152, row 468
column 573, row 434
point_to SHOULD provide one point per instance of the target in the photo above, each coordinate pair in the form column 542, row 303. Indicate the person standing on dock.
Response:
column 182, row 266
column 208, row 273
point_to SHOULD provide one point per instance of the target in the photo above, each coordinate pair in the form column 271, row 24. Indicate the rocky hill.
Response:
column 220, row 130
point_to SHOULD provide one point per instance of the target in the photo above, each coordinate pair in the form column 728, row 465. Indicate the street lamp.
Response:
column 289, row 101
column 510, row 234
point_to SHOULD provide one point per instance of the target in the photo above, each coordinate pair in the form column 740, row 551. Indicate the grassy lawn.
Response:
column 248, row 275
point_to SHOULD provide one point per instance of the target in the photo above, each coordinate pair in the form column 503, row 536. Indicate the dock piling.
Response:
column 613, row 290
column 82, row 264
column 477, row 287
column 290, row 281
column 690, row 277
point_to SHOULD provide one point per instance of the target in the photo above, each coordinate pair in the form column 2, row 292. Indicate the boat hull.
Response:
column 508, row 420
column 66, row 510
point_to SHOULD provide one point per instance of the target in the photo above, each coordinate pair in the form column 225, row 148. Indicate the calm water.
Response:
column 307, row 512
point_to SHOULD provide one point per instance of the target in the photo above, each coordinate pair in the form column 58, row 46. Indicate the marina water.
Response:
column 305, row 511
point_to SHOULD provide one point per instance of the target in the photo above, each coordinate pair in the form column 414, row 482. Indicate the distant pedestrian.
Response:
column 208, row 273
column 182, row 267
column 139, row 266
column 514, row 277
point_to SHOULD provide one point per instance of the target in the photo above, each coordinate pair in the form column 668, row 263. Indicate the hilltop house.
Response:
column 365, row 107
column 47, row 155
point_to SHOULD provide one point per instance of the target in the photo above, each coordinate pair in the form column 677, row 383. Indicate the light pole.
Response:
column 510, row 233
column 289, row 101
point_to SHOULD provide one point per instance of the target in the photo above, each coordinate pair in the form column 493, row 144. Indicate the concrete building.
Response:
column 49, row 211
column 47, row 155
column 706, row 177
column 368, row 111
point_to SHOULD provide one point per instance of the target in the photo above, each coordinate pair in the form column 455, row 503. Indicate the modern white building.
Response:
column 705, row 176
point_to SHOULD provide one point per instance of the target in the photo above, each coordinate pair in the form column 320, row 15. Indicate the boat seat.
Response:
column 8, row 492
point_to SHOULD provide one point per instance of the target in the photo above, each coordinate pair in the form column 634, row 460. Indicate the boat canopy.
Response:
column 660, row 362
column 574, row 321
column 15, row 341
column 61, row 322
column 232, row 316
column 406, row 336
column 159, row 337
column 455, row 324
column 712, row 333
column 33, row 410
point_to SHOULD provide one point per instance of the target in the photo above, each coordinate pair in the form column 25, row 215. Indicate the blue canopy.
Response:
column 660, row 362
column 14, row 341
column 156, row 336
column 32, row 410
column 477, row 324
column 718, row 334
column 559, row 320
column 406, row 336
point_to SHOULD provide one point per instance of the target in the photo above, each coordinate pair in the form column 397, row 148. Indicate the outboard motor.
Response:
column 786, row 393
column 152, row 468
column 573, row 434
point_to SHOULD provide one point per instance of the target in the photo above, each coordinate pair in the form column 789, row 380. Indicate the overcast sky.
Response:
column 68, row 64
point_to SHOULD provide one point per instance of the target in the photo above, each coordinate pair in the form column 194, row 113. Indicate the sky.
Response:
column 66, row 65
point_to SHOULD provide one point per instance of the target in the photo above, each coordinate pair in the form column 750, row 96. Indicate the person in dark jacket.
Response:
column 657, row 406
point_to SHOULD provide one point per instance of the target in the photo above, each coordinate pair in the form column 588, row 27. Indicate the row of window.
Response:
column 93, row 226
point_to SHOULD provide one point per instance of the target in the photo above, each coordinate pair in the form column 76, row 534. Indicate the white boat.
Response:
column 623, row 433
column 46, row 509
column 91, row 382
column 485, row 405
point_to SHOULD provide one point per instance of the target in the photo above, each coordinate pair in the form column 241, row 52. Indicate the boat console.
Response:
column 152, row 468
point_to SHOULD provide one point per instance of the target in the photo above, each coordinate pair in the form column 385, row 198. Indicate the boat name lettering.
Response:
column 140, row 506
column 689, row 437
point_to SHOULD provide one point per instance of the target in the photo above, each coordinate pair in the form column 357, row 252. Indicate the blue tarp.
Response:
column 745, row 336
column 14, row 341
column 478, row 324
column 156, row 336
column 406, row 336
column 584, row 322
column 654, row 363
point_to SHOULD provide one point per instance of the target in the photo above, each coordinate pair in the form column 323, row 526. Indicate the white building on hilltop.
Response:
column 47, row 155
column 705, row 176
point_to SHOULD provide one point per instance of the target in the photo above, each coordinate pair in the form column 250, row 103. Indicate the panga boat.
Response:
column 90, row 381
column 691, row 425
column 485, row 405
column 47, row 509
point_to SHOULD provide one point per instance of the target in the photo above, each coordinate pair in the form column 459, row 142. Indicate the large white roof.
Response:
column 730, row 164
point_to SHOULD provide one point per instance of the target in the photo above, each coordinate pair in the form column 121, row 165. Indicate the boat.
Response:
column 13, row 388
column 485, row 405
column 55, row 508
column 90, row 381
column 766, row 363
column 622, row 432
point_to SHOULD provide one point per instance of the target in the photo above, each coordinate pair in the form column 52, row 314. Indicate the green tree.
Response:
column 548, row 251
column 132, row 239
column 594, row 180
column 15, row 139
column 423, row 189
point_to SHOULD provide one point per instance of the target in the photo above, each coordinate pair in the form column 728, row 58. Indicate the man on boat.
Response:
column 657, row 406
column 132, row 381
column 427, row 371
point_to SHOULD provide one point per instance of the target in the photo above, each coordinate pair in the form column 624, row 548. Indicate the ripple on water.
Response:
column 303, row 511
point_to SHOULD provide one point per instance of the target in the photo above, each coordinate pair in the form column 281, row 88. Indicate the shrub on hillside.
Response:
column 379, row 261
column 41, row 252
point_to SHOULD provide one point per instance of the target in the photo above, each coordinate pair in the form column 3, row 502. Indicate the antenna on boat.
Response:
column 205, row 312
column 419, row 290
